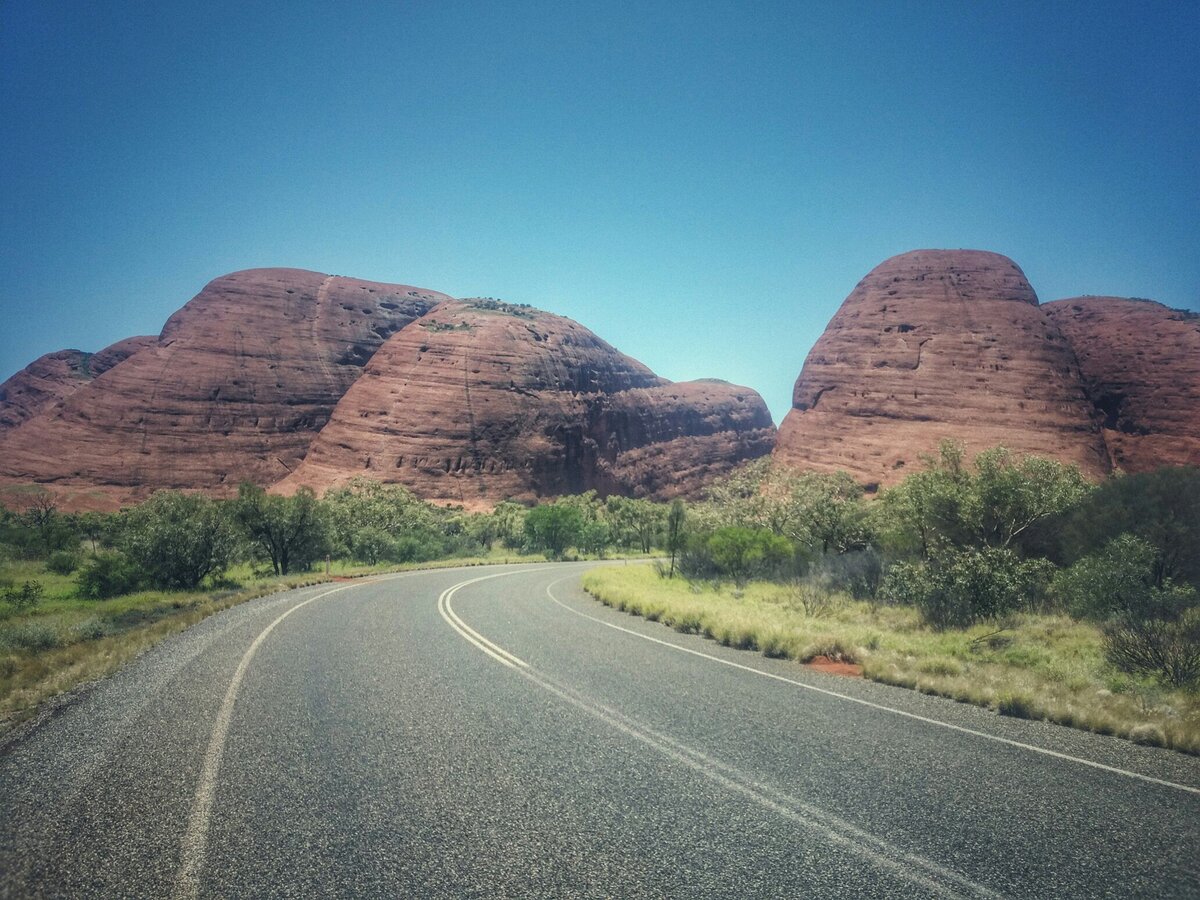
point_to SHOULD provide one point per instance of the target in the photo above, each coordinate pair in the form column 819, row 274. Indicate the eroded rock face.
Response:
column 116, row 353
column 40, row 385
column 937, row 344
column 235, row 388
column 50, row 379
column 1140, row 362
column 480, row 401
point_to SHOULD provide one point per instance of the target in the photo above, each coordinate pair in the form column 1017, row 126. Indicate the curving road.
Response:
column 495, row 732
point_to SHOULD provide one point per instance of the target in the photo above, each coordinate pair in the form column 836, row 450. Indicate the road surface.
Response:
column 497, row 733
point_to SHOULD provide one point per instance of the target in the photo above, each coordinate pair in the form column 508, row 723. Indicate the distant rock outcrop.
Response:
column 481, row 401
column 1140, row 362
column 938, row 344
column 236, row 386
column 50, row 379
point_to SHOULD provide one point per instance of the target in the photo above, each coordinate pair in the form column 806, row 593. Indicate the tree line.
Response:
column 963, row 541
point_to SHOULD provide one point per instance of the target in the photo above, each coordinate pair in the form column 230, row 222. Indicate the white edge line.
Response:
column 195, row 838
column 878, row 706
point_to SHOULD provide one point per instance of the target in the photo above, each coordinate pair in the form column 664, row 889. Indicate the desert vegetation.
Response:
column 1007, row 581
column 80, row 594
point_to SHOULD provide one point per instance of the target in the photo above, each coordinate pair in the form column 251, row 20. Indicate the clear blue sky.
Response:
column 699, row 183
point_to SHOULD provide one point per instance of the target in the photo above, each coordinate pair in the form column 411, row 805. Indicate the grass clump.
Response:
column 1033, row 666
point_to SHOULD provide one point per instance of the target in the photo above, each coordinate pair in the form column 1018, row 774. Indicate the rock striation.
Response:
column 479, row 401
column 237, row 385
column 1140, row 363
column 50, row 379
column 937, row 344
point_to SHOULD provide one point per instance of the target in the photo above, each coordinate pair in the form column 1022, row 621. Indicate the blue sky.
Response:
column 699, row 183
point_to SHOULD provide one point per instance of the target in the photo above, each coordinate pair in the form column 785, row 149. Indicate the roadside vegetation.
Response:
column 82, row 594
column 1009, row 582
column 1005, row 581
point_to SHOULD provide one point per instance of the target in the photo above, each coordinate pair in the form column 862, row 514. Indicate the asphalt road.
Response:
column 497, row 733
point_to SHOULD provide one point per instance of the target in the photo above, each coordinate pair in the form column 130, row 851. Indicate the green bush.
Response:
column 960, row 588
column 736, row 552
column 1120, row 581
column 553, row 528
column 373, row 545
column 62, row 562
column 30, row 635
column 177, row 540
column 27, row 596
column 108, row 575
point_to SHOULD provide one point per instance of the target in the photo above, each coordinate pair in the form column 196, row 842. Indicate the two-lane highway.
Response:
column 495, row 732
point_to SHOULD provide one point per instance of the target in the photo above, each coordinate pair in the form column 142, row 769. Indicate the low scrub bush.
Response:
column 961, row 588
column 1167, row 650
column 108, row 575
column 30, row 635
column 62, row 562
column 735, row 553
column 25, row 597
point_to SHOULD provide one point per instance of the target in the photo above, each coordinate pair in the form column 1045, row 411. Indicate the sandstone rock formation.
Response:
column 481, row 401
column 105, row 359
column 52, row 378
column 938, row 344
column 1140, row 362
column 236, row 386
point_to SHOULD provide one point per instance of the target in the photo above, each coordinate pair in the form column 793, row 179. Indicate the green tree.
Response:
column 510, row 523
column 554, row 527
column 594, row 537
column 291, row 532
column 1161, row 508
column 177, row 540
column 1151, row 626
column 824, row 513
column 741, row 552
column 949, row 507
column 676, row 535
column 388, row 508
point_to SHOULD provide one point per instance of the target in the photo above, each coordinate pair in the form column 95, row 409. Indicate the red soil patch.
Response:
column 830, row 667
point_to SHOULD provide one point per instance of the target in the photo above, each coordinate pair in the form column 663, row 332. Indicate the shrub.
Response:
column 960, row 588
column 373, row 545
column 858, row 572
column 1168, row 650
column 27, row 596
column 740, row 553
column 62, row 562
column 1120, row 581
column 108, row 575
column 1162, row 508
column 27, row 635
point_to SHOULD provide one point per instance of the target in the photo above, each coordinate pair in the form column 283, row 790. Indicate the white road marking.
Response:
column 879, row 706
column 908, row 866
column 473, row 636
column 195, row 838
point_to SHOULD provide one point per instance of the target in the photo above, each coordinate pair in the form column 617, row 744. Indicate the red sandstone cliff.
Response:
column 480, row 401
column 237, row 385
column 50, row 379
column 1140, row 362
column 938, row 344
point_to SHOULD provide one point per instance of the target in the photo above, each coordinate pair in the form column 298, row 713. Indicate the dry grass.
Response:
column 1039, row 667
